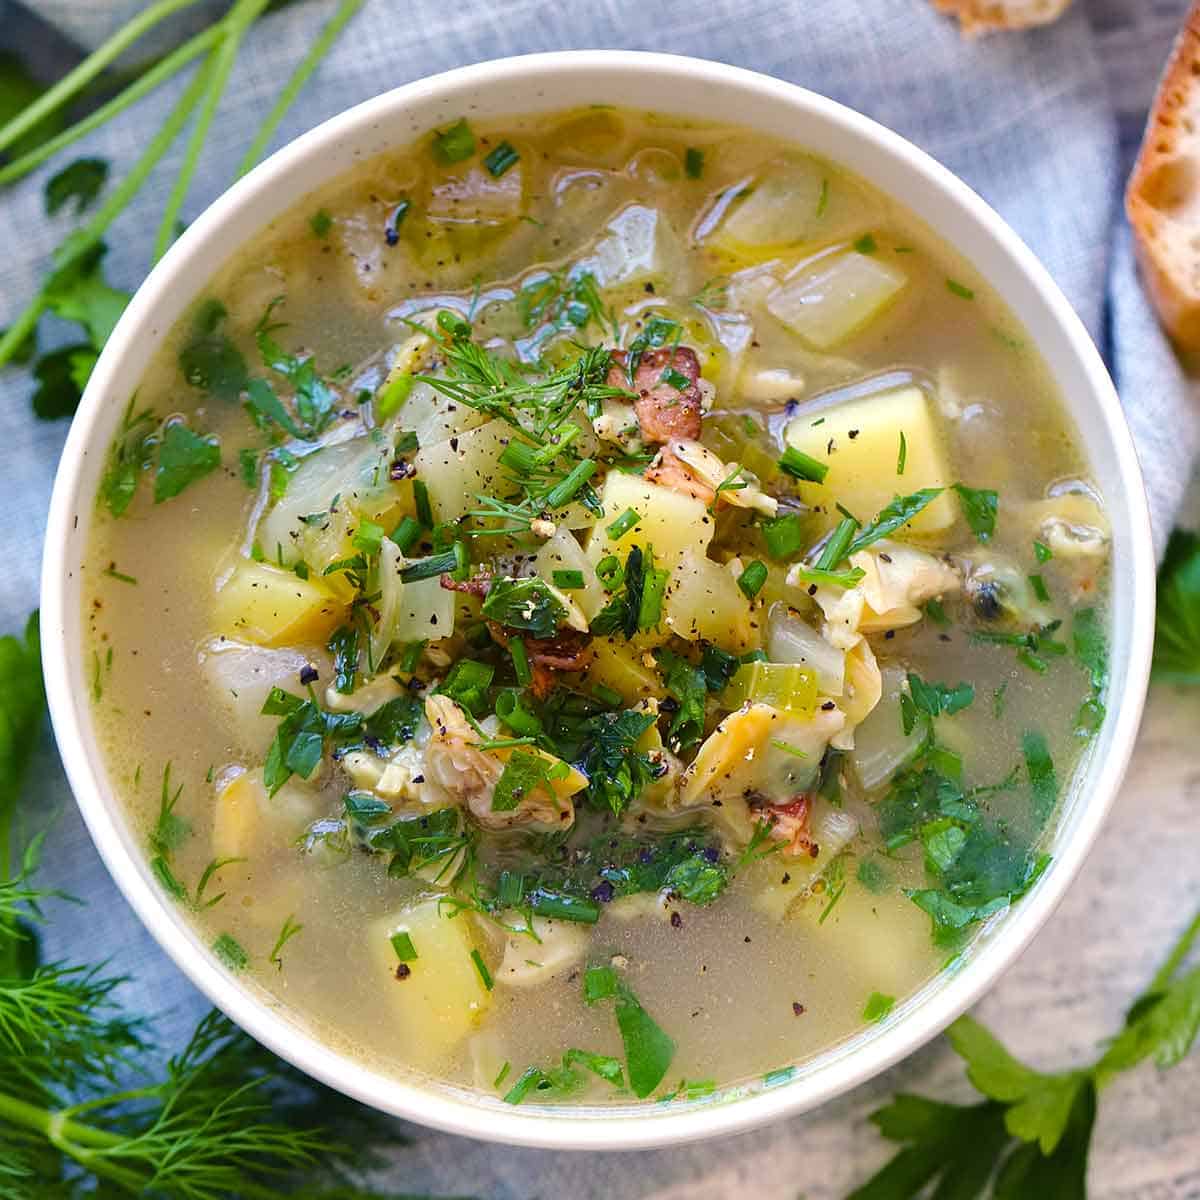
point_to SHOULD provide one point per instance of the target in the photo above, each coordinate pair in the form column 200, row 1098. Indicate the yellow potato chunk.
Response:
column 441, row 998
column 862, row 468
column 620, row 666
column 246, row 819
column 703, row 600
column 272, row 607
column 667, row 520
column 829, row 300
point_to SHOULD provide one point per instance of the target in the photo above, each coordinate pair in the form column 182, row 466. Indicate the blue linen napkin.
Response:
column 1041, row 124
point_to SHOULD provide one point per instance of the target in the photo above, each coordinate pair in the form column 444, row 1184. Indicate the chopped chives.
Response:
column 520, row 660
column 1042, row 552
column 902, row 457
column 502, row 1076
column 368, row 537
column 421, row 498
column 839, row 543
column 481, row 967
column 654, row 587
column 402, row 943
column 502, row 159
column 783, row 535
column 454, row 144
column 527, row 1081
column 803, row 466
column 568, row 581
column 435, row 564
column 1039, row 588
column 751, row 580
column 565, row 490
column 693, row 162
column 960, row 289
column 610, row 572
column 411, row 656
column 406, row 533
column 623, row 524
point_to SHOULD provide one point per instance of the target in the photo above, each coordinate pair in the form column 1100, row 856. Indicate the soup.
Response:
column 594, row 608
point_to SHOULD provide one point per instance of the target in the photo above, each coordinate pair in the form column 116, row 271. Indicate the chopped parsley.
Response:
column 648, row 1050
column 979, row 506
column 454, row 144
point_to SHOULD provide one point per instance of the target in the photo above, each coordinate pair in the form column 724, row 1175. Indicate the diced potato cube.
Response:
column 274, row 607
column 826, row 301
column 441, row 998
column 862, row 469
column 563, row 553
column 882, row 943
column 796, row 199
column 424, row 611
column 668, row 521
column 618, row 665
column 246, row 819
column 703, row 601
column 467, row 466
column 474, row 195
column 240, row 676
column 640, row 244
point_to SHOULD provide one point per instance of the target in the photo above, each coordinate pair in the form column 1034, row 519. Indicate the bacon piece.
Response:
column 670, row 471
column 789, row 824
column 663, row 411
column 478, row 586
column 568, row 650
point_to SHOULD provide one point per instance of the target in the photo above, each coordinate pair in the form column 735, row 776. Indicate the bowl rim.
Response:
column 459, row 1111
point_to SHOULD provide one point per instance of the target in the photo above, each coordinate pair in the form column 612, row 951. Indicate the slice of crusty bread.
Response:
column 979, row 16
column 1162, row 200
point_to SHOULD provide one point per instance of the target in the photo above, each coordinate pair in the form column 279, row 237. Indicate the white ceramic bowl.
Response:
column 674, row 85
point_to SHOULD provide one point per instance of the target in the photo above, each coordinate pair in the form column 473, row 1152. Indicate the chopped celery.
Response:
column 785, row 686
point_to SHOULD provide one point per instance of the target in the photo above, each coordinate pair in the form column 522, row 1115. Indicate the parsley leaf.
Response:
column 687, row 686
column 80, row 181
column 183, row 457
column 896, row 515
column 61, row 376
column 979, row 506
column 617, row 772
column 210, row 360
column 648, row 1050
column 526, row 604
column 1177, row 631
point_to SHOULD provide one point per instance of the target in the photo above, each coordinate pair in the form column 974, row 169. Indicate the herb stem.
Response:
column 142, row 86
column 243, row 14
column 1178, row 953
column 76, row 80
column 346, row 9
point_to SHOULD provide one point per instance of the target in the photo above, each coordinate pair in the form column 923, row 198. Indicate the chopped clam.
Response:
column 863, row 691
column 528, row 963
column 706, row 468
column 896, row 580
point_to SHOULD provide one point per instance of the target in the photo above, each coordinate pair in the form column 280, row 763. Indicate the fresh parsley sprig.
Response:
column 1031, row 1134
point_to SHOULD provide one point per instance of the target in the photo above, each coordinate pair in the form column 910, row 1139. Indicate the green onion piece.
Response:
column 435, row 564
column 454, row 144
column 410, row 656
column 623, row 524
column 803, row 466
column 959, row 289
column 783, row 535
column 406, row 533
column 693, row 162
column 565, row 907
column 751, row 580
column 610, row 572
column 1042, row 552
column 402, row 943
column 511, row 710
column 502, row 159
column 392, row 395
column 481, row 967
column 564, row 491
column 607, row 695
column 787, row 686
column 1039, row 588
column 902, row 457
column 527, row 1081
column 421, row 499
column 368, row 537
column 816, row 577
column 568, row 581
column 836, row 548
column 654, row 587
column 516, row 648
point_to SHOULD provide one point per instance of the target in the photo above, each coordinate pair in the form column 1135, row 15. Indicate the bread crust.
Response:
column 1165, row 177
column 981, row 16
